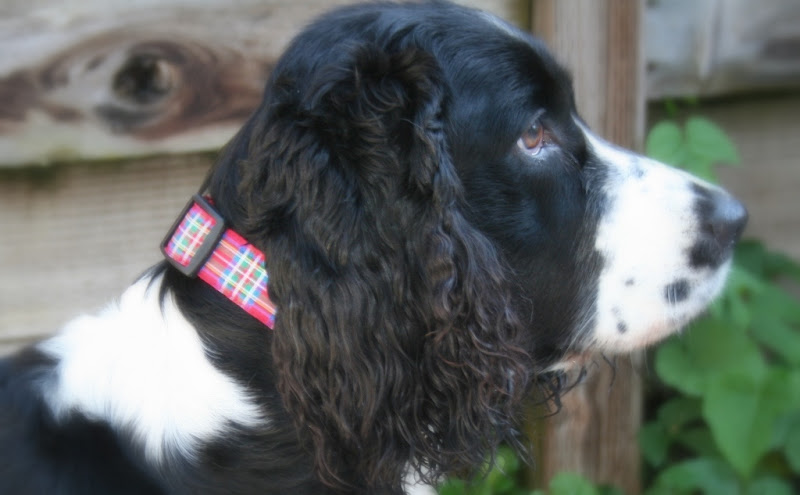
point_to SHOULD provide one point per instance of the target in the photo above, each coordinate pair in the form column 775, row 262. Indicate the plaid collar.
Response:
column 200, row 245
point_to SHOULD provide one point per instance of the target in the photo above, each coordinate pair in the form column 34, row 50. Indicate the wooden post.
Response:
column 595, row 433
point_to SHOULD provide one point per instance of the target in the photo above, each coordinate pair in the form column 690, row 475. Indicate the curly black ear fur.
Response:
column 395, row 344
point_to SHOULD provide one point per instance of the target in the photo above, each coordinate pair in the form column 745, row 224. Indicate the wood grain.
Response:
column 595, row 432
column 75, row 235
column 136, row 83
column 713, row 47
column 100, row 79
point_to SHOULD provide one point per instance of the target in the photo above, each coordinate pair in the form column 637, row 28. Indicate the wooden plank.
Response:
column 130, row 80
column 595, row 432
column 712, row 47
column 74, row 236
column 99, row 79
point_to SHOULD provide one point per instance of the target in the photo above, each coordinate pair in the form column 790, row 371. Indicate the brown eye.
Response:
column 532, row 139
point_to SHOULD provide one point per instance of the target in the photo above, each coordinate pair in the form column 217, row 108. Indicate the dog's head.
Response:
column 441, row 227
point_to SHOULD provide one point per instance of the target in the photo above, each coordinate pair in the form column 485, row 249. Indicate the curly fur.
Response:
column 386, row 330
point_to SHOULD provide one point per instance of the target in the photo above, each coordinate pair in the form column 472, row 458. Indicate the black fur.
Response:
column 41, row 456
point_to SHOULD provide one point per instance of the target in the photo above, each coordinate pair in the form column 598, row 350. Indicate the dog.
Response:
column 431, row 231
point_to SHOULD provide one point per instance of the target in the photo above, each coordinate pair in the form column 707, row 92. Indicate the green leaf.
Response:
column 779, row 337
column 500, row 479
column 654, row 443
column 703, row 145
column 677, row 412
column 775, row 301
column 453, row 487
column 776, row 323
column 674, row 365
column 744, row 284
column 742, row 411
column 732, row 411
column 768, row 485
column 777, row 264
column 571, row 484
column 704, row 475
column 734, row 305
column 656, row 437
column 707, row 142
column 696, row 147
column 609, row 490
column 665, row 143
column 792, row 443
column 752, row 256
column 699, row 441
column 507, row 461
column 709, row 348
column 671, row 108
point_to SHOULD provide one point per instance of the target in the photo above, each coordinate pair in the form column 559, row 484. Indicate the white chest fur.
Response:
column 141, row 366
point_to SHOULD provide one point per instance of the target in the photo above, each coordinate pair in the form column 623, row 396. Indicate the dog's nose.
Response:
column 727, row 219
column 722, row 219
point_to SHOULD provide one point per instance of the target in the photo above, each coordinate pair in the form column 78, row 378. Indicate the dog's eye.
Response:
column 532, row 139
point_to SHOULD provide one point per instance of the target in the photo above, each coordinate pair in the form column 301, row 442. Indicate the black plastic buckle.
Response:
column 209, row 244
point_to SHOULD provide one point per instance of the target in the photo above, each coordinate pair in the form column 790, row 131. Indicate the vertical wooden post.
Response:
column 595, row 434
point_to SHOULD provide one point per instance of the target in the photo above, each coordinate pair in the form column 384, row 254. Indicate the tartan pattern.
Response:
column 190, row 235
column 235, row 268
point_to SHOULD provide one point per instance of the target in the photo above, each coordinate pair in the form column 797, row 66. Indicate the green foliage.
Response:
column 502, row 479
column 732, row 422
column 729, row 420
column 574, row 484
column 697, row 146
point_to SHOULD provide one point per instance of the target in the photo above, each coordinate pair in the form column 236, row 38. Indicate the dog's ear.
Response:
column 395, row 344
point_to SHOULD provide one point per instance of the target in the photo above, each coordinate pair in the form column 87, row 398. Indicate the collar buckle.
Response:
column 193, row 237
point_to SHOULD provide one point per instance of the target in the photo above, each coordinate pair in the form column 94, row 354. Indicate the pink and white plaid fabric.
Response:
column 235, row 268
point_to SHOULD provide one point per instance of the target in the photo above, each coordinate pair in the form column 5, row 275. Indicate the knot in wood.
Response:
column 143, row 79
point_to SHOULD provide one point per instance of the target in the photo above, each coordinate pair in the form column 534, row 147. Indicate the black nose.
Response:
column 722, row 220
column 727, row 220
